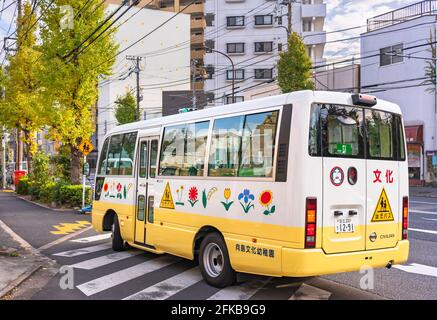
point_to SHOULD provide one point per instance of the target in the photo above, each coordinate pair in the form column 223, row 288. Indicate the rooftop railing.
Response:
column 420, row 9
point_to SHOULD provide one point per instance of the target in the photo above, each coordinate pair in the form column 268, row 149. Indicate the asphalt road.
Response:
column 99, row 273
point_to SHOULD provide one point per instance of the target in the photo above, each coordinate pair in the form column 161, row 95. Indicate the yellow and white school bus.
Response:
column 300, row 184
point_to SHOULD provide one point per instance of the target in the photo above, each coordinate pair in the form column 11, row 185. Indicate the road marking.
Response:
column 111, row 280
column 418, row 269
column 423, row 202
column 424, row 212
column 81, row 251
column 429, row 219
column 66, row 228
column 63, row 239
column 422, row 230
column 240, row 292
column 105, row 260
column 169, row 287
column 307, row 292
column 93, row 238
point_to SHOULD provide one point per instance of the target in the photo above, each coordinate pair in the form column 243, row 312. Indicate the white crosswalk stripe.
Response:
column 93, row 238
column 169, row 287
column 105, row 260
column 81, row 251
column 106, row 282
column 240, row 292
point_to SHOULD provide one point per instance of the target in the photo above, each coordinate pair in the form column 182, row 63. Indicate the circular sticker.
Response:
column 352, row 175
column 337, row 176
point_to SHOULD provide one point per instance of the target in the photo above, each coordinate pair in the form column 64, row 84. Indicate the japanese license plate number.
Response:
column 344, row 226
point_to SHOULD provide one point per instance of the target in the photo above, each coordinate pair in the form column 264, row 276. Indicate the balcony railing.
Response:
column 420, row 9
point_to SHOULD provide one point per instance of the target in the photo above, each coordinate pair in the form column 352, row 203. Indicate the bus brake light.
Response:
column 405, row 218
column 310, row 223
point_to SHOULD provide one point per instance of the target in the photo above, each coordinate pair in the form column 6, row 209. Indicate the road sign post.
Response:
column 83, row 184
column 85, row 147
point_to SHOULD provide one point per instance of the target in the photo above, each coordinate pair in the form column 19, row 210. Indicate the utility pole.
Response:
column 3, row 158
column 193, row 82
column 19, row 145
column 290, row 17
column 137, row 70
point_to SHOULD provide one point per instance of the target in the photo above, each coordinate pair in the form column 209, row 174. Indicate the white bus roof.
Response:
column 283, row 99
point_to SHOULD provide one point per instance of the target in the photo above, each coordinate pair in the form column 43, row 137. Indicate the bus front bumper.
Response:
column 315, row 262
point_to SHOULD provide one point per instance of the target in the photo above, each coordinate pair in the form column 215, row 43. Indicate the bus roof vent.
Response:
column 364, row 100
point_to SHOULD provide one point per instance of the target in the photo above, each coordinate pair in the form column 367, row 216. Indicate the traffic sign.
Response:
column 86, row 147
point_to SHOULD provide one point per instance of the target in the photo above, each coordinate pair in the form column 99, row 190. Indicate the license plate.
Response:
column 344, row 226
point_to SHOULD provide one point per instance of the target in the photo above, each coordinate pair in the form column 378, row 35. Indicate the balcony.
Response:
column 197, row 39
column 198, row 23
column 314, row 37
column 197, row 54
column 313, row 10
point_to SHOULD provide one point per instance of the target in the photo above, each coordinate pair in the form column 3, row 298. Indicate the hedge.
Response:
column 54, row 192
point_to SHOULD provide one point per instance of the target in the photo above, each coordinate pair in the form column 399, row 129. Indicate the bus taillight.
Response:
column 310, row 225
column 405, row 218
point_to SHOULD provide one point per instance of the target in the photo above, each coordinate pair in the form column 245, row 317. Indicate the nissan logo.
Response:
column 373, row 236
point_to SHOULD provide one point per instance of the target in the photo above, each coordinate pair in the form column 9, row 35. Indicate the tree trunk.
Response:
column 76, row 165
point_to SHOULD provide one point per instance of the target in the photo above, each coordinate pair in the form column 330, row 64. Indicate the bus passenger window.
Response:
column 102, row 163
column 153, row 158
column 127, row 154
column 183, row 150
column 114, row 152
column 143, row 159
column 380, row 129
column 244, row 146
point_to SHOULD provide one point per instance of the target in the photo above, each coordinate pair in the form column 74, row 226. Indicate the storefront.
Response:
column 414, row 137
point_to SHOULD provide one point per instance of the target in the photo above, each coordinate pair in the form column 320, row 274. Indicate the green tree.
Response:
column 71, row 69
column 294, row 67
column 126, row 109
column 21, row 107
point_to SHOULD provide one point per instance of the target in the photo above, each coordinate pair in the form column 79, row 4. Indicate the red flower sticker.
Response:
column 106, row 187
column 193, row 194
column 119, row 187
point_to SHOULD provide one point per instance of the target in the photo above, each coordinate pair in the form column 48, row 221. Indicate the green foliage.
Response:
column 126, row 109
column 41, row 173
column 23, row 186
column 294, row 67
column 72, row 195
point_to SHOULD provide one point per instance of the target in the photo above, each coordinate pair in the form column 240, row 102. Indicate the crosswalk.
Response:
column 164, row 276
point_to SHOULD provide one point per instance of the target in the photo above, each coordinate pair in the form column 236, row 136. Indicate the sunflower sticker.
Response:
column 266, row 199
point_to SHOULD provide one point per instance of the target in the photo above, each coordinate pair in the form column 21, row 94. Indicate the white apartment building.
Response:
column 396, row 50
column 252, row 33
column 165, row 64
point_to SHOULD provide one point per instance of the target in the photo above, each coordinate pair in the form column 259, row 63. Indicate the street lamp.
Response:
column 209, row 50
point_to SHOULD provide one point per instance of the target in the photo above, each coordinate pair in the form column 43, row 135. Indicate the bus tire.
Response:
column 117, row 240
column 214, row 262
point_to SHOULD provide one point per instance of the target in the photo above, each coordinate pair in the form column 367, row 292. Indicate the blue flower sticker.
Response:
column 247, row 198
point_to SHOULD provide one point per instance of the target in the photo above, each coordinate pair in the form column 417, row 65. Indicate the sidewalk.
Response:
column 428, row 192
column 16, row 263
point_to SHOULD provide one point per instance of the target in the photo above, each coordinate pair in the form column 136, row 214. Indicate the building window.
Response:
column 279, row 47
column 210, row 44
column 263, row 73
column 236, row 100
column 264, row 20
column 239, row 74
column 235, row 48
column 391, row 55
column 307, row 25
column 210, row 17
column 263, row 47
column 237, row 21
column 210, row 71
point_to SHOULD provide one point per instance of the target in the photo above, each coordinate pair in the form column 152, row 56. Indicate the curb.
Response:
column 44, row 206
column 17, row 282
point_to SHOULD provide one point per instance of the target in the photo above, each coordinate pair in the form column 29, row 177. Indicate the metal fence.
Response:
column 424, row 8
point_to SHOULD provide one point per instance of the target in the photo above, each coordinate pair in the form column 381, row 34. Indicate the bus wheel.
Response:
column 117, row 240
column 214, row 262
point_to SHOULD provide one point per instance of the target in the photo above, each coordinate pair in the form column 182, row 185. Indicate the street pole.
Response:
column 193, row 83
column 290, row 17
column 233, row 70
column 19, row 146
column 83, row 183
column 4, row 158
column 137, row 71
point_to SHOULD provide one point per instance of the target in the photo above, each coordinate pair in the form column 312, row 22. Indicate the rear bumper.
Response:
column 314, row 262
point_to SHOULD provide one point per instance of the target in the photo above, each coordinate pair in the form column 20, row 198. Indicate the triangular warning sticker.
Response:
column 167, row 198
column 383, row 209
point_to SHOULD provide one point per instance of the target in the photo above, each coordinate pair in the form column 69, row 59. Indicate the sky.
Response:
column 342, row 14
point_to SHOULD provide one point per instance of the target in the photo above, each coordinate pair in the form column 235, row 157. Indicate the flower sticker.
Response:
column 106, row 187
column 246, row 199
column 266, row 199
column 180, row 193
column 227, row 194
column 193, row 195
column 207, row 196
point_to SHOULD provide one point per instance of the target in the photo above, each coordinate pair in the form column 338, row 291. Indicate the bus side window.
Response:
column 153, row 158
column 103, row 155
column 127, row 154
column 114, row 152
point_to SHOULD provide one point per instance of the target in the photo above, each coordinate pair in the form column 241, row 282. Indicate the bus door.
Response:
column 147, row 158
column 344, row 179
column 384, row 139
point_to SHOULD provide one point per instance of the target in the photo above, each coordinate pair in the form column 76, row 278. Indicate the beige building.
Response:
column 198, row 24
